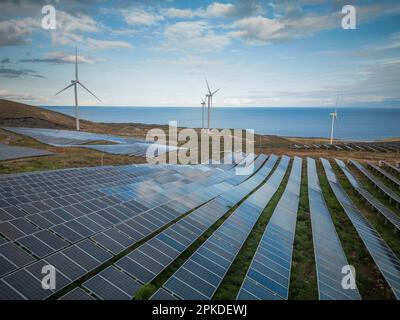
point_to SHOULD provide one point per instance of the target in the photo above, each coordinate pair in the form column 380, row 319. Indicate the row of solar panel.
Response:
column 268, row 276
column 329, row 255
column 385, row 174
column 147, row 261
column 377, row 182
column 73, row 230
column 383, row 256
column 200, row 276
column 12, row 152
column 116, row 236
column 66, row 138
column 375, row 203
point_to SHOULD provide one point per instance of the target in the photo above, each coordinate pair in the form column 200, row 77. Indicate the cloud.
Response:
column 22, row 97
column 183, row 13
column 139, row 16
column 70, row 28
column 14, row 32
column 238, row 9
column 16, row 73
column 5, row 60
column 197, row 35
column 62, row 58
column 108, row 44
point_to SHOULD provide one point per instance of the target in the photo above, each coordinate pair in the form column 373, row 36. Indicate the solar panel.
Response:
column 193, row 279
column 12, row 152
column 95, row 251
column 383, row 256
column 35, row 246
column 385, row 174
column 162, row 294
column 15, row 254
column 381, row 208
column 271, row 263
column 8, row 293
column 104, row 290
column 376, row 181
column 77, row 294
column 329, row 255
column 41, row 193
column 65, row 265
column 23, row 281
column 120, row 280
column 81, row 258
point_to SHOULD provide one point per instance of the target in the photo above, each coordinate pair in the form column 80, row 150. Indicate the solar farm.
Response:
column 201, row 232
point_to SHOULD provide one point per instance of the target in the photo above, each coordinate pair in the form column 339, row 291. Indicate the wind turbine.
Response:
column 209, row 97
column 75, row 83
column 203, row 103
column 334, row 117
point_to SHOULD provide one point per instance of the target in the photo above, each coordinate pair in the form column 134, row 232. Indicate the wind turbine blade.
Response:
column 65, row 88
column 216, row 91
column 76, row 63
column 88, row 91
column 208, row 87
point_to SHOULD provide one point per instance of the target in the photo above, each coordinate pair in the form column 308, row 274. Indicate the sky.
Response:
column 158, row 53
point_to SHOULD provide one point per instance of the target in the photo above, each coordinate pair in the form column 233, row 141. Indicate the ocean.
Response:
column 362, row 124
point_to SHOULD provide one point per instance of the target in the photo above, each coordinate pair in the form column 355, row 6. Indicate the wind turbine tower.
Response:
column 75, row 83
column 203, row 104
column 334, row 117
column 209, row 97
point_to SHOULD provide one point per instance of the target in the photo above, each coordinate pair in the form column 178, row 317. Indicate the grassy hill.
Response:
column 17, row 114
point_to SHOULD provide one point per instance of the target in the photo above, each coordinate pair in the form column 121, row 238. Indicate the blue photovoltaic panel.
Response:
column 66, row 203
column 385, row 174
column 329, row 255
column 12, row 152
column 377, row 182
column 379, row 206
column 148, row 260
column 77, row 294
column 162, row 294
column 268, row 276
column 200, row 276
column 384, row 258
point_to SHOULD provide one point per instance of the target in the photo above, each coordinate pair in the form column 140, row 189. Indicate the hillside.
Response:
column 15, row 114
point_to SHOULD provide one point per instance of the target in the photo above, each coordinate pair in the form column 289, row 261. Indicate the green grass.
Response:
column 369, row 280
column 232, row 282
column 303, row 283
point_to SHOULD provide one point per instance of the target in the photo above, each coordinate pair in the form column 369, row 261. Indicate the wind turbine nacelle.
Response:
column 72, row 81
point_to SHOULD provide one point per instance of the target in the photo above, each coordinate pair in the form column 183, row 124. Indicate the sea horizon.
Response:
column 368, row 124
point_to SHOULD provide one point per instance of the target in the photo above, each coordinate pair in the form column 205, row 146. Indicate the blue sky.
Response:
column 157, row 53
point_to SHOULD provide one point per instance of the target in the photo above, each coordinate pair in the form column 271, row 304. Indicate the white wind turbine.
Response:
column 334, row 117
column 209, row 97
column 75, row 83
column 203, row 103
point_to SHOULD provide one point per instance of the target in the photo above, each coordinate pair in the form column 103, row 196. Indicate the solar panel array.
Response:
column 268, row 276
column 200, row 276
column 329, row 255
column 377, row 182
column 375, row 203
column 67, row 138
column 385, row 174
column 148, row 260
column 12, row 152
column 392, row 167
column 385, row 259
column 385, row 147
column 52, row 215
